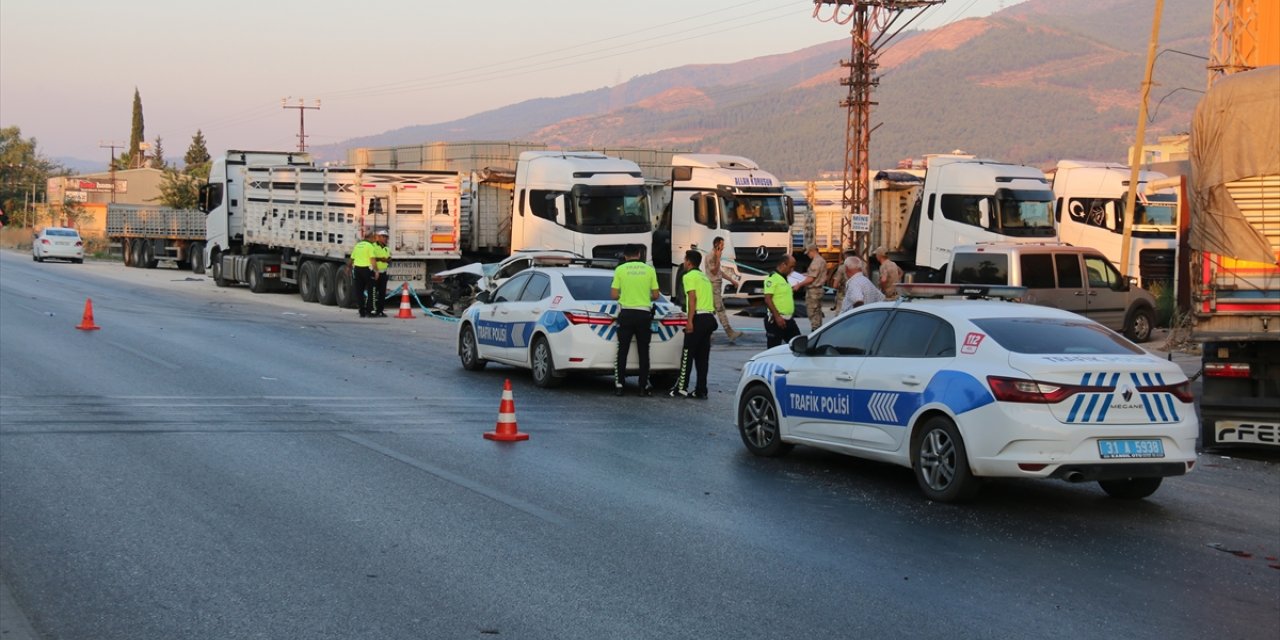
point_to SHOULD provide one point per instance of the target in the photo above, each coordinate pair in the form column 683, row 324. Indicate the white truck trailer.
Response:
column 276, row 221
column 148, row 235
column 1089, row 211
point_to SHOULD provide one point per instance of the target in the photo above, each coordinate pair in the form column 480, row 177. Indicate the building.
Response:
column 94, row 191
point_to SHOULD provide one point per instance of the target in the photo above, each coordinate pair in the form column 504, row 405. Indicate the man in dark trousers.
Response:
column 366, row 273
column 779, row 325
column 381, row 262
column 698, row 328
column 635, row 287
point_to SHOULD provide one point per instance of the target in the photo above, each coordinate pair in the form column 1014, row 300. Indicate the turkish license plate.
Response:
column 408, row 270
column 1130, row 449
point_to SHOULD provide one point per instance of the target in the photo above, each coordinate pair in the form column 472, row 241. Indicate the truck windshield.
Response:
column 1159, row 210
column 1024, row 213
column 607, row 209
column 742, row 212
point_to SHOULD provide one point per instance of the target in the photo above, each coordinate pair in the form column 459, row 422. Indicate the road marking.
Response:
column 449, row 476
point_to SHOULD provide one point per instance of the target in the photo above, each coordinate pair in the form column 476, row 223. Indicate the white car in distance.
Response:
column 59, row 243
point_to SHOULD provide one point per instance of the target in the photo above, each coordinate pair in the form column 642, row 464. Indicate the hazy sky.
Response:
column 68, row 68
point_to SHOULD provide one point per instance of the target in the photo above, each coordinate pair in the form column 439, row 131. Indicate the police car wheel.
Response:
column 1130, row 488
column 468, row 352
column 542, row 365
column 759, row 426
column 940, row 462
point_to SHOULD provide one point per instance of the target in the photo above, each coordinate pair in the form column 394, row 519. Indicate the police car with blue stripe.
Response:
column 962, row 389
column 560, row 319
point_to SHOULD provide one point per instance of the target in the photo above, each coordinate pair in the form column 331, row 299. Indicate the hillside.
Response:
column 1040, row 81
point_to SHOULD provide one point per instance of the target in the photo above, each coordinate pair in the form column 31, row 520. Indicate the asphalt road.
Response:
column 215, row 464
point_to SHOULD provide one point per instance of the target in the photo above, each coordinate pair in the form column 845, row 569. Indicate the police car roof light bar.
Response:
column 970, row 291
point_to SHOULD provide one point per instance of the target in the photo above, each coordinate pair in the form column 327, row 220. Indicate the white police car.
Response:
column 962, row 389
column 561, row 319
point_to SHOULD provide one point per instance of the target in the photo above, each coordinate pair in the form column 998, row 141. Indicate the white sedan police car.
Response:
column 561, row 319
column 960, row 389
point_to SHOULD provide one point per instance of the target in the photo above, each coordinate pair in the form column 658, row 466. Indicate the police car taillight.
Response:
column 1019, row 390
column 1180, row 391
column 674, row 320
column 588, row 317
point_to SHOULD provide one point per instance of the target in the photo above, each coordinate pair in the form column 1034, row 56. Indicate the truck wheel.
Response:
column 1208, row 436
column 135, row 253
column 344, row 289
column 307, row 281
column 126, row 251
column 216, row 268
column 148, row 255
column 253, row 276
column 1138, row 324
column 325, row 282
column 196, row 257
column 1130, row 488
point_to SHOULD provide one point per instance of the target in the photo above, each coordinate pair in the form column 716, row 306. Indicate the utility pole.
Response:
column 112, row 167
column 302, row 122
column 875, row 24
column 1135, row 163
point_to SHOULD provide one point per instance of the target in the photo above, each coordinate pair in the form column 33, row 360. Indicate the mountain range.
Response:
column 1034, row 83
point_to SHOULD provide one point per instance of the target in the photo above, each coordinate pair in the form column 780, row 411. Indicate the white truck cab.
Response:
column 222, row 197
column 580, row 201
column 967, row 200
column 1089, row 209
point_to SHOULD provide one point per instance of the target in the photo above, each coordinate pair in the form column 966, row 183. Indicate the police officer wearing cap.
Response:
column 366, row 273
column 381, row 261
column 635, row 287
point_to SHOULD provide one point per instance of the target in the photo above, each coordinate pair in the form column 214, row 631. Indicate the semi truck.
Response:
column 275, row 221
column 1234, row 253
column 1089, row 212
column 148, row 235
column 967, row 200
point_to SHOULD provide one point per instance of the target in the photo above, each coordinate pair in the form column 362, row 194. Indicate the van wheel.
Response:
column 1138, row 324
column 940, row 462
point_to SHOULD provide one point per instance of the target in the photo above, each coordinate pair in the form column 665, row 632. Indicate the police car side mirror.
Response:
column 800, row 345
column 483, row 296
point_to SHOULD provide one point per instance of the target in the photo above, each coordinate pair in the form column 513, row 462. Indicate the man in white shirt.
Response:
column 860, row 290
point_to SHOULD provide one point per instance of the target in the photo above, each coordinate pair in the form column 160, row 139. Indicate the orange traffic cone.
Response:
column 406, row 311
column 86, row 322
column 506, row 430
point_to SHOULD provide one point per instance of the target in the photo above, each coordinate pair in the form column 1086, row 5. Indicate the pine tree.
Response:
column 196, row 160
column 157, row 154
column 134, row 157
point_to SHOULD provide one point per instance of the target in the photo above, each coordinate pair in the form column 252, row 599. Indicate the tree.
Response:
column 196, row 161
column 134, row 157
column 157, row 154
column 24, row 175
column 179, row 190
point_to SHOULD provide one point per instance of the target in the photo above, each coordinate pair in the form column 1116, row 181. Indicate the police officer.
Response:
column 381, row 260
column 697, row 329
column 779, row 325
column 635, row 287
column 366, row 273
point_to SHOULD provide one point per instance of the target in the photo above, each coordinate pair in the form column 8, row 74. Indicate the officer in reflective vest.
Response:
column 700, row 308
column 381, row 262
column 779, row 325
column 635, row 287
column 366, row 274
